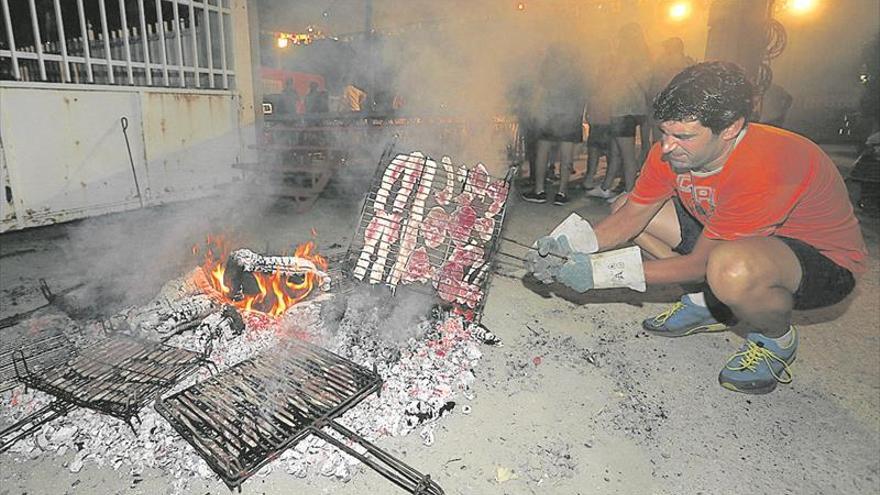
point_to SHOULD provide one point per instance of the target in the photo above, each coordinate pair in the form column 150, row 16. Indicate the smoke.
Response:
column 376, row 315
column 124, row 259
column 453, row 64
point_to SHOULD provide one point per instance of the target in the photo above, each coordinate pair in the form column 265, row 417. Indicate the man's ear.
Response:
column 732, row 131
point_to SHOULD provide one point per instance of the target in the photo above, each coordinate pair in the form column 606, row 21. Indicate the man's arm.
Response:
column 625, row 224
column 679, row 269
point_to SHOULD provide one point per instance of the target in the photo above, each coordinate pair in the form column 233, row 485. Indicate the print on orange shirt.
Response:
column 702, row 196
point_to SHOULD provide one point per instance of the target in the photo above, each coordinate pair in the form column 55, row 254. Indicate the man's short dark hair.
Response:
column 714, row 93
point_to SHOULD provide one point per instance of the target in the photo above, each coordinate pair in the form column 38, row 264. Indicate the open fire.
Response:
column 275, row 291
column 421, row 379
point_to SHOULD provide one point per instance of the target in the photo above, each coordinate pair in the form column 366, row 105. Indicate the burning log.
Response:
column 245, row 260
column 163, row 317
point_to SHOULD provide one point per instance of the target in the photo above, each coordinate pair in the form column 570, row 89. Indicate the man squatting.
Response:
column 757, row 215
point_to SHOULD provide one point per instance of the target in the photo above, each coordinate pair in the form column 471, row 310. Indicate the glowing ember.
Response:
column 277, row 292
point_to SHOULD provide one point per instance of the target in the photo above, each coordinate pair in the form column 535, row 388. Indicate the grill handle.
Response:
column 388, row 466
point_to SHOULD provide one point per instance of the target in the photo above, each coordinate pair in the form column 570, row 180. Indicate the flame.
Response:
column 276, row 292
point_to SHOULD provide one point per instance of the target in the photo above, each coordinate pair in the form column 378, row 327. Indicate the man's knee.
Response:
column 732, row 272
column 737, row 270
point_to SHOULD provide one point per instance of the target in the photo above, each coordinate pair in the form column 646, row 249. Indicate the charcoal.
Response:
column 432, row 364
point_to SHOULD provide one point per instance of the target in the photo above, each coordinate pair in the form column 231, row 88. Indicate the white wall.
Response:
column 64, row 154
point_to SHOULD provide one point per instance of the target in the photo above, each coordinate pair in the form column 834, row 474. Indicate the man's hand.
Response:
column 576, row 273
column 578, row 232
column 549, row 253
column 547, row 258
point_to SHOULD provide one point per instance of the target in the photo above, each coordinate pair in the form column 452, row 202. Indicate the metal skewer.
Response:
column 514, row 241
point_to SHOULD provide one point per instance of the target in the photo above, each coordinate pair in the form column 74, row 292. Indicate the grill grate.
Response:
column 247, row 415
column 419, row 207
column 116, row 376
column 42, row 347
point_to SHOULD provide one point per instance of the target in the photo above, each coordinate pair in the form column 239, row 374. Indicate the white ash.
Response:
column 163, row 317
column 423, row 377
column 552, row 459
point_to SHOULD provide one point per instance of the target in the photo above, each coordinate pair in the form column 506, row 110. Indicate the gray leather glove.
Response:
column 547, row 258
column 576, row 273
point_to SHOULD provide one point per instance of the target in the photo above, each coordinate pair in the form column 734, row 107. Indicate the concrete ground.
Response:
column 578, row 399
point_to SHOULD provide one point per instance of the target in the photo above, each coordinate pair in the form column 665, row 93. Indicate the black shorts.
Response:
column 563, row 128
column 823, row 282
column 624, row 126
column 600, row 134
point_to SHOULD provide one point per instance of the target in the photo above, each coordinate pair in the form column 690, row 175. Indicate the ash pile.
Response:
column 422, row 252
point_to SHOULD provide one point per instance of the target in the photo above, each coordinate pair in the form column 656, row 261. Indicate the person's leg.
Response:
column 757, row 278
column 762, row 280
column 593, row 153
column 566, row 160
column 613, row 165
column 531, row 152
column 674, row 232
column 663, row 233
column 541, row 168
column 553, row 160
column 627, row 147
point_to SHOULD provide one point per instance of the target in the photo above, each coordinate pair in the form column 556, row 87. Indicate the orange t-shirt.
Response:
column 775, row 182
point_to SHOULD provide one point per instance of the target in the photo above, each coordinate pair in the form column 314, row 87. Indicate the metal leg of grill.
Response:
column 391, row 468
column 32, row 422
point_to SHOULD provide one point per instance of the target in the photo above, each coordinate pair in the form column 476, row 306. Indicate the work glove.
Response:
column 547, row 257
column 549, row 253
column 579, row 234
column 576, row 273
column 611, row 269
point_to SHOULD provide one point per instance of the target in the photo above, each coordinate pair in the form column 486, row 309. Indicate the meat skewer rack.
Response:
column 430, row 226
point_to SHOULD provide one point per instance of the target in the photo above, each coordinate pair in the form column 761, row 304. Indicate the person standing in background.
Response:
column 316, row 99
column 289, row 98
column 599, row 118
column 561, row 95
column 627, row 83
column 521, row 99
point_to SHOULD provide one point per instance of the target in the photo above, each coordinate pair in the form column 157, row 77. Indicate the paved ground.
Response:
column 608, row 409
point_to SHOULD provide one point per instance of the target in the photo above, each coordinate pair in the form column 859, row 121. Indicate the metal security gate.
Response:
column 171, row 43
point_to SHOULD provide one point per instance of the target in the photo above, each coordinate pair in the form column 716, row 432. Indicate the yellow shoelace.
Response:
column 753, row 355
column 660, row 319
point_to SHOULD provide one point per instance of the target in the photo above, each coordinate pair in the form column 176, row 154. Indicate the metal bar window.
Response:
column 7, row 20
column 38, row 41
column 208, row 42
column 195, row 44
column 163, row 51
column 145, row 42
column 65, row 67
column 99, row 48
column 106, row 35
column 222, row 24
column 179, row 42
column 86, row 39
column 123, row 20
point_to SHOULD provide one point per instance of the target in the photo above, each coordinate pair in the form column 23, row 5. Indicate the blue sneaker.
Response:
column 683, row 318
column 759, row 365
